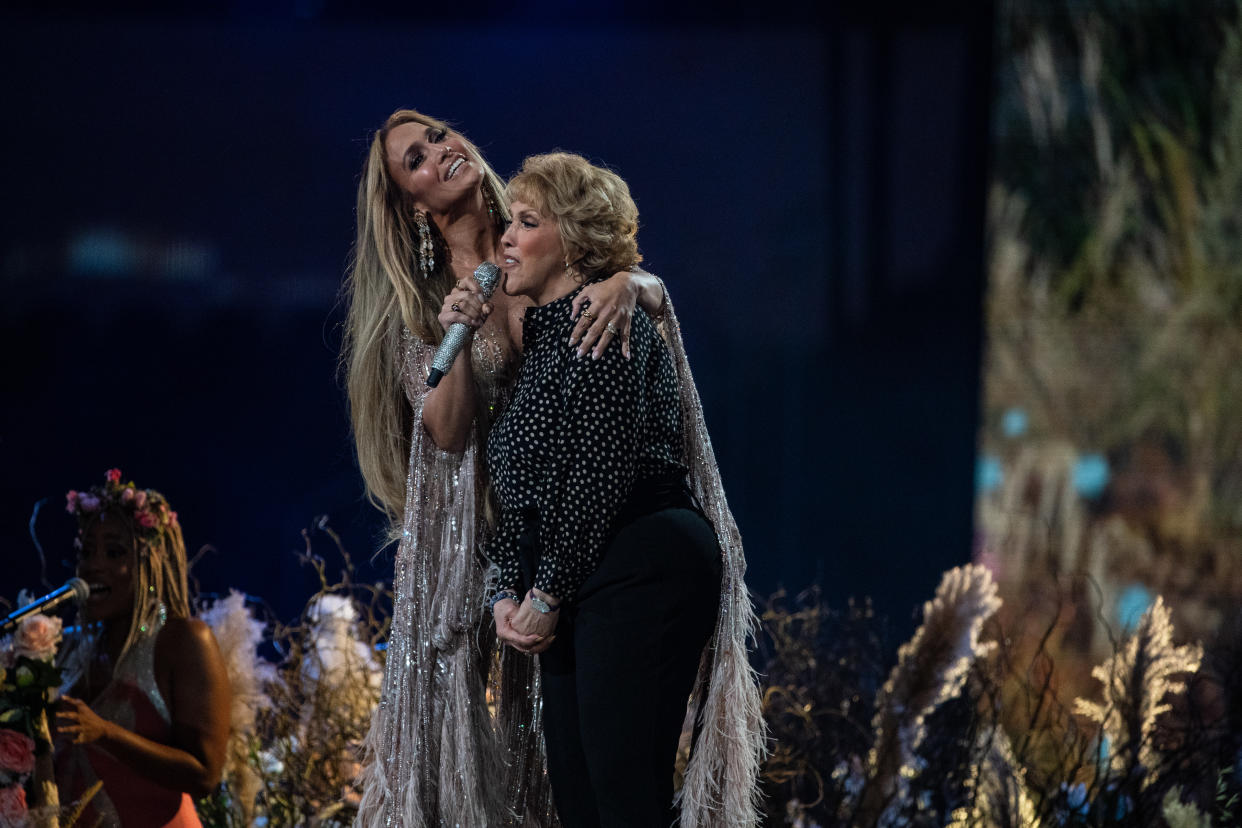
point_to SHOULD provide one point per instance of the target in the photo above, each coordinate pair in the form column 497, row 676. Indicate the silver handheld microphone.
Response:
column 75, row 589
column 487, row 275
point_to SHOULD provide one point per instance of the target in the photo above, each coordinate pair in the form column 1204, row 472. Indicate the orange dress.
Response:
column 133, row 701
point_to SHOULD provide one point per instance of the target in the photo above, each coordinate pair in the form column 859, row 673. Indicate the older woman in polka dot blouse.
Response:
column 607, row 567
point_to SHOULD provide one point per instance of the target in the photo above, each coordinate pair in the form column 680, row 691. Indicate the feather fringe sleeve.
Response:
column 431, row 755
column 721, row 786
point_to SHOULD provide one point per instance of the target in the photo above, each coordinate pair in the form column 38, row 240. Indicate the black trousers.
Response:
column 617, row 677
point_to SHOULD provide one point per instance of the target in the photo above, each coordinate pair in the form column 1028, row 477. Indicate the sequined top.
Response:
column 577, row 437
column 433, row 753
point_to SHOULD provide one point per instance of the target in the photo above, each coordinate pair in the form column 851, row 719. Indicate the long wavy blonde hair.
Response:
column 385, row 290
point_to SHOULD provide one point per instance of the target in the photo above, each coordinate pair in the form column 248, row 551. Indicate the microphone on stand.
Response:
column 76, row 589
column 487, row 275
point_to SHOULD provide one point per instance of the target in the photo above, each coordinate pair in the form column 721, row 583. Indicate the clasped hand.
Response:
column 465, row 303
column 523, row 627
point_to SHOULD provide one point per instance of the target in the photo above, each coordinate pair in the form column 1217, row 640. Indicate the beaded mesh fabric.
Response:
column 435, row 755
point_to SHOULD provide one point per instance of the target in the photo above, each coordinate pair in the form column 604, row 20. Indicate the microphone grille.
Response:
column 81, row 589
column 487, row 275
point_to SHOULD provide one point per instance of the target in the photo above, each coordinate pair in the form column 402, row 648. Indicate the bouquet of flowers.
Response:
column 28, row 679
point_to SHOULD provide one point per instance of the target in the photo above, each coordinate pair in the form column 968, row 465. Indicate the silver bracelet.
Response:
column 500, row 596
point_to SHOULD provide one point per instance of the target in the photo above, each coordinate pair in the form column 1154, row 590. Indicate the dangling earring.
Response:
column 490, row 200
column 426, row 250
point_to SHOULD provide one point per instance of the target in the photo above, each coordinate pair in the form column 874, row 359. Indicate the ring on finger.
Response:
column 455, row 307
column 612, row 329
column 588, row 314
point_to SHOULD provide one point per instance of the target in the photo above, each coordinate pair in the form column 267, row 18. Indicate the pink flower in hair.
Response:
column 88, row 502
column 146, row 520
column 113, row 475
column 140, row 498
column 172, row 517
column 71, row 501
column 127, row 495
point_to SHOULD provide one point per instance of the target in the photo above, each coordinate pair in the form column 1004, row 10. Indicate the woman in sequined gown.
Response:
column 156, row 725
column 429, row 211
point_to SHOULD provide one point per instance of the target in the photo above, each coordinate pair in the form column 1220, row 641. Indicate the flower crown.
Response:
column 146, row 508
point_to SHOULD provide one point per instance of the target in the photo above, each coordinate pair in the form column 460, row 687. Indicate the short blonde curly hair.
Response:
column 598, row 219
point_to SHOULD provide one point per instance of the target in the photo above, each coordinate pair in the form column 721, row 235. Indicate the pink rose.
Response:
column 13, row 806
column 140, row 498
column 127, row 495
column 71, row 501
column 113, row 475
column 37, row 637
column 88, row 502
column 146, row 520
column 16, row 751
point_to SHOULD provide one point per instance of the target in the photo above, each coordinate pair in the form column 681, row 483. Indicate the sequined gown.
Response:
column 132, row 700
column 433, row 755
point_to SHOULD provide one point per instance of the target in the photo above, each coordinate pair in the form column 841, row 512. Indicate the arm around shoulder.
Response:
column 652, row 296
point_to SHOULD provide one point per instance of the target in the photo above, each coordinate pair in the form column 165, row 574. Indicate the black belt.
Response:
column 647, row 496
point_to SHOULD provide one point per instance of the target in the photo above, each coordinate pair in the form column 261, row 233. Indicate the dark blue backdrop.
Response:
column 179, row 209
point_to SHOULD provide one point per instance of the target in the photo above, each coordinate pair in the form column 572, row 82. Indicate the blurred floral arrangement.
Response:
column 927, row 741
column 297, row 721
column 28, row 678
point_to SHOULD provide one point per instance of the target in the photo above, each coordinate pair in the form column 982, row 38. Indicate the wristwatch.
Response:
column 541, row 605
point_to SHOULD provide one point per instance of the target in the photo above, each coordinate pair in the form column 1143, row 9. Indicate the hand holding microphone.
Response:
column 487, row 275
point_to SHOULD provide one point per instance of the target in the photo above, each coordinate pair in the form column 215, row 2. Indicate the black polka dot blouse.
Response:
column 576, row 439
